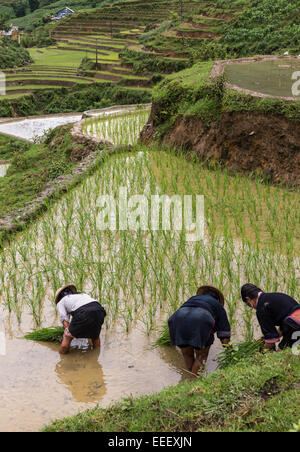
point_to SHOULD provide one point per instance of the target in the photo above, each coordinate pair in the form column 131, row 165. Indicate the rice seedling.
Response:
column 164, row 336
column 54, row 334
column 234, row 353
column 142, row 276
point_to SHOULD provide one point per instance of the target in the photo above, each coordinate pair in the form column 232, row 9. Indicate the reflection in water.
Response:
column 82, row 374
column 173, row 357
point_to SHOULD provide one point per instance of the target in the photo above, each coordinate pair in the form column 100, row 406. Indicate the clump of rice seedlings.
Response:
column 164, row 336
column 54, row 334
column 235, row 353
column 141, row 276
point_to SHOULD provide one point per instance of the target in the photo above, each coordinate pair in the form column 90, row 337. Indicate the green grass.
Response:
column 7, row 146
column 56, row 57
column 258, row 394
column 32, row 166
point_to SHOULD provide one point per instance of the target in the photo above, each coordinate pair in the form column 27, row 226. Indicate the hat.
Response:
column 59, row 291
column 205, row 289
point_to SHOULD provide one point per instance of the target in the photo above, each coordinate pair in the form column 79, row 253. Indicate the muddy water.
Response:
column 29, row 129
column 269, row 77
column 38, row 385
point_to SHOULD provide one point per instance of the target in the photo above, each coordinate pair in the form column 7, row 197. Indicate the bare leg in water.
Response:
column 195, row 359
column 96, row 343
column 65, row 345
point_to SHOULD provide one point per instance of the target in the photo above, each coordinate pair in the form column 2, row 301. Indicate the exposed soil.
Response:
column 241, row 141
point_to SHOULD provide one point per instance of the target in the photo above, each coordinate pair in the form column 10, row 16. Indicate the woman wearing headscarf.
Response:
column 274, row 310
column 193, row 325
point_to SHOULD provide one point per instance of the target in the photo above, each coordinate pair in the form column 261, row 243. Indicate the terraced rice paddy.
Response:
column 58, row 65
column 32, row 128
column 140, row 275
column 111, row 128
column 101, row 34
column 272, row 77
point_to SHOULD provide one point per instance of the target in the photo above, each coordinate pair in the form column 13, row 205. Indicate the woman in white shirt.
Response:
column 81, row 315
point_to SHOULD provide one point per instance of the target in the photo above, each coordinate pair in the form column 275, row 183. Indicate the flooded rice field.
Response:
column 31, row 128
column 38, row 385
column 140, row 275
column 273, row 77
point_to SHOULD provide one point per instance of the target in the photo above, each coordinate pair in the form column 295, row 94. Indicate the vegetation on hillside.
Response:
column 266, row 27
column 33, row 165
column 78, row 98
column 12, row 54
column 29, row 14
column 257, row 27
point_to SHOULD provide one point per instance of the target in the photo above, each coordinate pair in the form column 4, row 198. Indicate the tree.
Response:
column 19, row 9
column 33, row 5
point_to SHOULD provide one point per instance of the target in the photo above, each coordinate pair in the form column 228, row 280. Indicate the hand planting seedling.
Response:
column 54, row 334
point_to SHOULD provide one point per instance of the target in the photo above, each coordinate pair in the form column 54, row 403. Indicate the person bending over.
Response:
column 193, row 325
column 81, row 316
column 274, row 310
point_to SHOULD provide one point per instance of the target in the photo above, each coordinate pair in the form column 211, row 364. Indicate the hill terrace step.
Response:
column 45, row 75
column 57, row 82
column 104, row 46
column 100, row 40
column 197, row 34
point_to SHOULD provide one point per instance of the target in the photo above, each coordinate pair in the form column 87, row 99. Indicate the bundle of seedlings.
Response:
column 53, row 334
column 234, row 353
column 164, row 336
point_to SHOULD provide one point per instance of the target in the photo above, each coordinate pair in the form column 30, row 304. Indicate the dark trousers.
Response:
column 288, row 329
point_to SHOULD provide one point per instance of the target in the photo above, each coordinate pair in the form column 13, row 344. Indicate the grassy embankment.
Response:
column 257, row 395
column 78, row 98
column 33, row 165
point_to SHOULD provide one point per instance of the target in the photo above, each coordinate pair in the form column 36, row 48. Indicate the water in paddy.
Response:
column 272, row 77
column 29, row 129
column 38, row 385
column 139, row 278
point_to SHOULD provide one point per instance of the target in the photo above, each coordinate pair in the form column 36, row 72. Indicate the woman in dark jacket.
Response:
column 193, row 325
column 274, row 310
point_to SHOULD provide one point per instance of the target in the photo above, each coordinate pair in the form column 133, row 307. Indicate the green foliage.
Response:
column 11, row 54
column 9, row 146
column 265, row 27
column 192, row 93
column 147, row 62
column 79, row 98
column 38, row 38
column 33, row 165
column 235, row 101
column 54, row 334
